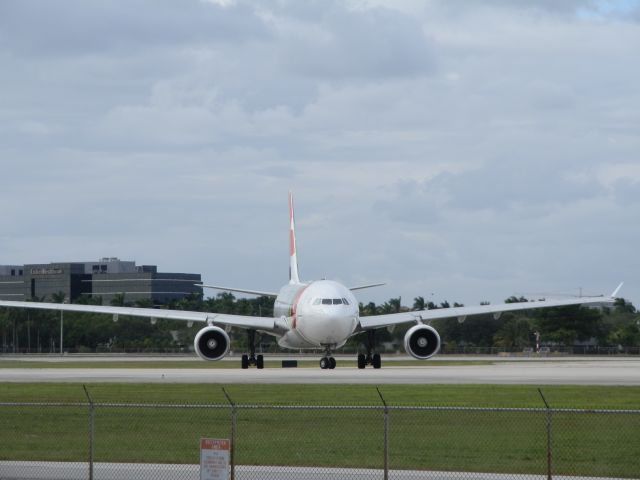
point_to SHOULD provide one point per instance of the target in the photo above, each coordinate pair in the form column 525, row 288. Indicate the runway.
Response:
column 574, row 371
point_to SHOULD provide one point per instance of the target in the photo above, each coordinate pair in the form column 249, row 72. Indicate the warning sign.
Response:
column 214, row 459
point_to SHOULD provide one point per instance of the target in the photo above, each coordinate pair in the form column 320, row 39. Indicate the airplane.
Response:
column 321, row 314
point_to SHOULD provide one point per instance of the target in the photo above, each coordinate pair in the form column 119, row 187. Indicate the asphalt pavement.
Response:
column 576, row 371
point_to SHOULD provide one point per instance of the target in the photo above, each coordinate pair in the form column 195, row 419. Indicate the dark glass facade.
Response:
column 106, row 278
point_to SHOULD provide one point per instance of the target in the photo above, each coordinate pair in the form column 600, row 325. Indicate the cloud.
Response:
column 361, row 44
column 465, row 149
column 586, row 9
column 627, row 192
column 75, row 27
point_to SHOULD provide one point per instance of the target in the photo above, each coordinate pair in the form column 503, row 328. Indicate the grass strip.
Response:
column 481, row 441
column 510, row 396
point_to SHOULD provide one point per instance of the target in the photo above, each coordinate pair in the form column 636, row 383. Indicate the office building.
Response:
column 105, row 278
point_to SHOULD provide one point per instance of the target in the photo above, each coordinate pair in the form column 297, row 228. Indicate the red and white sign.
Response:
column 214, row 459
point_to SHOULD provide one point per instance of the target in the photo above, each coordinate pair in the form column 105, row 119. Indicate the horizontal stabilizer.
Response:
column 239, row 290
column 362, row 287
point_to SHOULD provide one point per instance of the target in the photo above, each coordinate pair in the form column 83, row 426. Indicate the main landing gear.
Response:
column 370, row 358
column 327, row 362
column 252, row 359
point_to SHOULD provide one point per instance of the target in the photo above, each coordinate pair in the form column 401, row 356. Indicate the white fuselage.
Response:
column 318, row 314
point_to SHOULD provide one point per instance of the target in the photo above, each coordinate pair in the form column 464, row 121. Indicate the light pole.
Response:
column 62, row 329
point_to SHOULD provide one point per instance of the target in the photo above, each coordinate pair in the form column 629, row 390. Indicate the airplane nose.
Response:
column 341, row 326
column 330, row 327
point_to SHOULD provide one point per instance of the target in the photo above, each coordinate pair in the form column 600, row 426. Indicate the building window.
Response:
column 13, row 272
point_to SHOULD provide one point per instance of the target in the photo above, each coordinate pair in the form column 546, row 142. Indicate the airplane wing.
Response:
column 242, row 321
column 419, row 316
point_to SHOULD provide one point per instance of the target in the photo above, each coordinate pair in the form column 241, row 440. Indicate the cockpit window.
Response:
column 330, row 301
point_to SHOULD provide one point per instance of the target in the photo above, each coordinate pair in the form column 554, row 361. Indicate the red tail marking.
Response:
column 292, row 238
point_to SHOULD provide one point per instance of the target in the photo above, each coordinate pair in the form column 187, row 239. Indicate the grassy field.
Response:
column 574, row 396
column 512, row 442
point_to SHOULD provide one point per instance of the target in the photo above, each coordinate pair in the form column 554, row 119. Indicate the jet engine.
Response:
column 422, row 342
column 212, row 343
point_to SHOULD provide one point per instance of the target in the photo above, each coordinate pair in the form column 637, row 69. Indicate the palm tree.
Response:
column 118, row 300
column 144, row 303
column 514, row 334
column 58, row 297
column 418, row 303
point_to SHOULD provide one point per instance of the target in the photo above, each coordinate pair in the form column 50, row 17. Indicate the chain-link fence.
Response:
column 161, row 441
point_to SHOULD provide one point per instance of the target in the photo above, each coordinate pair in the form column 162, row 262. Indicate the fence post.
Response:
column 234, row 420
column 91, row 430
column 549, row 437
column 386, row 436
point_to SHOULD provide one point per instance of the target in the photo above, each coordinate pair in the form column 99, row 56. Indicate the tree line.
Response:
column 23, row 330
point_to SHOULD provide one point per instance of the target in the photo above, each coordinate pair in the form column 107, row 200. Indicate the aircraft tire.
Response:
column 245, row 361
column 376, row 360
column 260, row 362
column 332, row 363
column 362, row 361
column 324, row 363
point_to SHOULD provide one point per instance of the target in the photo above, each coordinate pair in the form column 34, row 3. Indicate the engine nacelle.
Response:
column 422, row 342
column 212, row 343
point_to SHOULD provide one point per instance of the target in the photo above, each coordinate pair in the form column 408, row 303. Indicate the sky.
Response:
column 456, row 150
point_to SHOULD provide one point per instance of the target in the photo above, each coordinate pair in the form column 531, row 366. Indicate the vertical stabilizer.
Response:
column 293, row 255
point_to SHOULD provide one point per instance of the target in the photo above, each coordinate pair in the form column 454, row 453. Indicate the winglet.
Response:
column 293, row 255
column 615, row 292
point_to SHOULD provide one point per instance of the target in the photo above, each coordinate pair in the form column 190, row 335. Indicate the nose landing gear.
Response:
column 327, row 362
column 370, row 358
